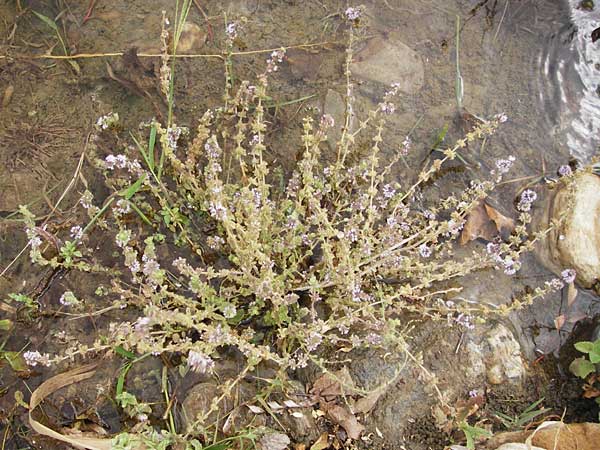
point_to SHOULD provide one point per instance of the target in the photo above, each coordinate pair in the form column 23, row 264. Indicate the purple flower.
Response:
column 33, row 358
column 568, row 275
column 353, row 13
column 565, row 171
column 200, row 362
column 527, row 198
column 387, row 108
column 504, row 165
column 406, row 143
column 424, row 251
column 76, row 232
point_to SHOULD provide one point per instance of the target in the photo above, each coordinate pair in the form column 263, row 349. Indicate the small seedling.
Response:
column 520, row 420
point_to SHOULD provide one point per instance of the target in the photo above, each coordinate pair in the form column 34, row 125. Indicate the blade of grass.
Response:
column 141, row 214
column 132, row 190
column 145, row 155
column 151, row 143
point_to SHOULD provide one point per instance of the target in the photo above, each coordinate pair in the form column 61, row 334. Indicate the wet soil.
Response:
column 49, row 108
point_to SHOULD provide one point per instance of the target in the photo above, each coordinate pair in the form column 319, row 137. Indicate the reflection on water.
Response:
column 570, row 78
column 584, row 137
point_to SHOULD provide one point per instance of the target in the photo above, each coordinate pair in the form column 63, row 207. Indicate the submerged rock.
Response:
column 576, row 242
column 390, row 61
column 335, row 106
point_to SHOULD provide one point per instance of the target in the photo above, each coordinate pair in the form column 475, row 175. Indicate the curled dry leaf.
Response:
column 559, row 321
column 333, row 385
column 366, row 404
column 486, row 223
column 347, row 420
column 255, row 409
column 321, row 443
column 571, row 294
column 54, row 384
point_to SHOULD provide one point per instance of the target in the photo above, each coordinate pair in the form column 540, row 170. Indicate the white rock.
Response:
column 504, row 361
column 576, row 243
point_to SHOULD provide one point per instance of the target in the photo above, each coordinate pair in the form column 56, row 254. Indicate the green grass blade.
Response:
column 47, row 20
column 132, row 190
column 151, row 143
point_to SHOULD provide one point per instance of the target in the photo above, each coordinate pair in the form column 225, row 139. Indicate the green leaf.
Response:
column 584, row 346
column 16, row 361
column 5, row 324
column 47, row 20
column 121, row 378
column 132, row 190
column 581, row 367
column 594, row 356
column 472, row 433
column 124, row 353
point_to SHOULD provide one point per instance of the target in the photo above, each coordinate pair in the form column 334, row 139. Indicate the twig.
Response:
column 157, row 55
column 501, row 20
column 90, row 9
column 209, row 30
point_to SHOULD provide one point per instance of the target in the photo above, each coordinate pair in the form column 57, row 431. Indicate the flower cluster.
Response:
column 33, row 358
column 107, row 121
column 275, row 59
column 354, row 13
column 568, row 275
column 526, row 200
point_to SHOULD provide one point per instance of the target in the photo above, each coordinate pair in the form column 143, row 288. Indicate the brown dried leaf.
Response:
column 504, row 225
column 478, row 225
column 485, row 222
column 571, row 294
column 347, row 420
column 321, row 443
column 332, row 385
column 366, row 404
column 560, row 321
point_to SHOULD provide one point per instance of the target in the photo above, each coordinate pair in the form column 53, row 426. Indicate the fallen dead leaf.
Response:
column 366, row 404
column 559, row 321
column 332, row 385
column 345, row 419
column 485, row 222
column 571, row 294
column 321, row 443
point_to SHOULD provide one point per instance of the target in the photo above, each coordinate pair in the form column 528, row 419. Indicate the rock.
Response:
column 390, row 61
column 576, row 243
column 497, row 357
column 199, row 400
column 504, row 362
